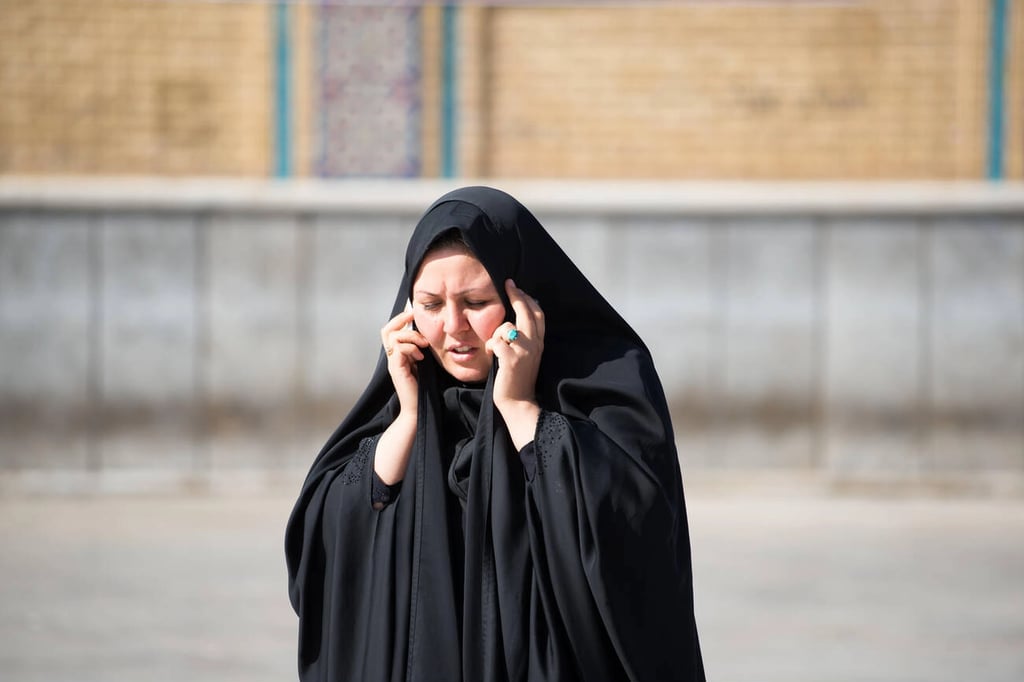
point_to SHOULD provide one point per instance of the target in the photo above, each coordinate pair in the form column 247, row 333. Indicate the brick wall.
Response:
column 861, row 90
column 130, row 87
column 776, row 90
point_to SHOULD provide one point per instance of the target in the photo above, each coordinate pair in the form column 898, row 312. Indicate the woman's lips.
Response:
column 465, row 352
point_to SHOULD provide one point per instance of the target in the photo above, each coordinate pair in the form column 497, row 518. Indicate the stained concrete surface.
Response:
column 788, row 587
column 850, row 329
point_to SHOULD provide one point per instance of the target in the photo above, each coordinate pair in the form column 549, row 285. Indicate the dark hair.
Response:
column 449, row 239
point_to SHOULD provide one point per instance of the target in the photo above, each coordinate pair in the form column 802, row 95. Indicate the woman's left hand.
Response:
column 518, row 363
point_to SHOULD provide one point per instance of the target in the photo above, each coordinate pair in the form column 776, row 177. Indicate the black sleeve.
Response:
column 345, row 572
column 382, row 494
column 528, row 456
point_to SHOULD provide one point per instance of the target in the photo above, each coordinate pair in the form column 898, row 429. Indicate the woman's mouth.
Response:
column 461, row 352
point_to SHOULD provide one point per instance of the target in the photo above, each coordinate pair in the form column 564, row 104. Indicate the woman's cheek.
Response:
column 485, row 321
column 427, row 326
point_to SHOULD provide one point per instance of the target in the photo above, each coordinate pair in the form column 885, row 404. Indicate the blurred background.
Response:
column 812, row 211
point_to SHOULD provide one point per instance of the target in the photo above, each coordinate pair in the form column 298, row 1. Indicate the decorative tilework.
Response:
column 369, row 96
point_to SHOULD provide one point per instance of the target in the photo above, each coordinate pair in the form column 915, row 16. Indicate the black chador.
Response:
column 481, row 569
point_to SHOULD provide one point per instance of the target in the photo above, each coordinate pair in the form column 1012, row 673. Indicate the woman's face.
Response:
column 456, row 307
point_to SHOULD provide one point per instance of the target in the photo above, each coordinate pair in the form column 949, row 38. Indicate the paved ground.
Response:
column 794, row 588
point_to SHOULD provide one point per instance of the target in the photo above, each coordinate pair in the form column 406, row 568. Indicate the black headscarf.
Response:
column 475, row 573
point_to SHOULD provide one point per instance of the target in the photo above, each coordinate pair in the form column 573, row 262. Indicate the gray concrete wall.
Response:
column 185, row 330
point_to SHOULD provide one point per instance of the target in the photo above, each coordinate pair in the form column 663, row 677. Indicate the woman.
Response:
column 504, row 501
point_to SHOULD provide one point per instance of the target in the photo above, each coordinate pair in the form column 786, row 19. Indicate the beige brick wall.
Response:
column 873, row 89
column 430, row 130
column 864, row 90
column 134, row 87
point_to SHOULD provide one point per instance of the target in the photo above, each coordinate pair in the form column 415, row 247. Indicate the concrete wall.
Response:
column 184, row 330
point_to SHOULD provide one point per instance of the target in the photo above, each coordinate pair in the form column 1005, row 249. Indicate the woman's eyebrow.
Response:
column 463, row 292
column 473, row 290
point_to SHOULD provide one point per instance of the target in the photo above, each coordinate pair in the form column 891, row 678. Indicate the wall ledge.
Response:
column 545, row 197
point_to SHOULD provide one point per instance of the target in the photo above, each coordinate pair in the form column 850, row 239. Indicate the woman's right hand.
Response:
column 403, row 346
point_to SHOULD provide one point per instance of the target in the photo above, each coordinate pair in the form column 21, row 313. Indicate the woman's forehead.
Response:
column 451, row 268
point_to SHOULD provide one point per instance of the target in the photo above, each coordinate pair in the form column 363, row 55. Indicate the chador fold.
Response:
column 504, row 501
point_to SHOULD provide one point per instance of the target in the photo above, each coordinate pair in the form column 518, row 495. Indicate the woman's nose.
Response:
column 454, row 319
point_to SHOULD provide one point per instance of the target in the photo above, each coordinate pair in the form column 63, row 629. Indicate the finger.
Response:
column 515, row 293
column 502, row 333
column 500, row 348
column 404, row 351
column 406, row 336
column 538, row 317
column 397, row 322
column 405, row 342
column 535, row 314
column 524, row 316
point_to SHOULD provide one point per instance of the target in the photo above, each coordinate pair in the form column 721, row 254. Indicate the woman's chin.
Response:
column 468, row 374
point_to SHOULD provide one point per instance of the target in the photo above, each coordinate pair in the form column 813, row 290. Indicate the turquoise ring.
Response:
column 512, row 334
